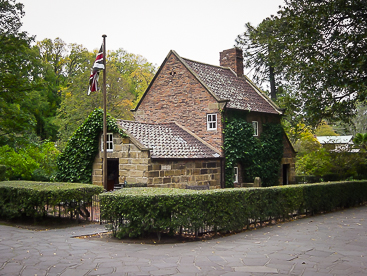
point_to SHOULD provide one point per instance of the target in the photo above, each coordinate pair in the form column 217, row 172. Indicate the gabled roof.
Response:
column 225, row 86
column 168, row 140
column 240, row 91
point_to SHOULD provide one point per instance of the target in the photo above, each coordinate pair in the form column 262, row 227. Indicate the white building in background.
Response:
column 337, row 143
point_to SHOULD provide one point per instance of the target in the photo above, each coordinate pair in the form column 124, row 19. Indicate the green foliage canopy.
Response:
column 320, row 47
column 16, row 78
column 360, row 140
column 31, row 162
column 128, row 75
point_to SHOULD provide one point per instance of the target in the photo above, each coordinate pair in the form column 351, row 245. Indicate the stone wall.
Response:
column 136, row 167
column 179, row 173
column 133, row 162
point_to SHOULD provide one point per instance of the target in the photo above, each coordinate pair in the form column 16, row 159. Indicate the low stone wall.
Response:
column 133, row 162
column 179, row 174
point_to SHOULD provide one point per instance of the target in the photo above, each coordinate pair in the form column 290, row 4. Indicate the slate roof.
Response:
column 225, row 85
column 167, row 140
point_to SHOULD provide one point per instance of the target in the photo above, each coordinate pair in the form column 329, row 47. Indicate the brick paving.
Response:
column 328, row 244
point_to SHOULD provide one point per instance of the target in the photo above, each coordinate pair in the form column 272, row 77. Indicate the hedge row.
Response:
column 138, row 211
column 35, row 199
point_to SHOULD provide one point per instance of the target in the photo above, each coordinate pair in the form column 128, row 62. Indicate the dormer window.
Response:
column 255, row 125
column 211, row 121
column 109, row 142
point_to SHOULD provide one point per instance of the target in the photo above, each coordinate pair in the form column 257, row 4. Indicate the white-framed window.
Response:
column 109, row 142
column 211, row 121
column 255, row 125
column 235, row 175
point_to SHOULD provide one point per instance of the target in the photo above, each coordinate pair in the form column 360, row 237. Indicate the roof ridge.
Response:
column 217, row 66
column 213, row 65
column 144, row 123
column 241, row 78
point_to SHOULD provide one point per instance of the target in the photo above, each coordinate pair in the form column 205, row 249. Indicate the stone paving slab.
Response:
column 327, row 244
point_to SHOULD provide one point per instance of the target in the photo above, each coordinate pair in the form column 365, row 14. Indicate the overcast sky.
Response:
column 195, row 29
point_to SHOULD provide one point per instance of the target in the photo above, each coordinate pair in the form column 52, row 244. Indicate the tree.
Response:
column 324, row 129
column 316, row 163
column 321, row 46
column 360, row 140
column 256, row 48
column 10, row 15
column 16, row 79
column 306, row 144
column 34, row 161
column 128, row 76
column 360, row 120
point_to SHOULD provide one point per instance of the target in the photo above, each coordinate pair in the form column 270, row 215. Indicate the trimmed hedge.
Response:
column 31, row 199
column 138, row 211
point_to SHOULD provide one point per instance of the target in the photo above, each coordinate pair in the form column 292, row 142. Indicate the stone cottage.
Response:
column 177, row 136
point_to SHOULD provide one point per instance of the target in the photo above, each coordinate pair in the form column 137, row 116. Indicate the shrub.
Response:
column 27, row 198
column 138, row 211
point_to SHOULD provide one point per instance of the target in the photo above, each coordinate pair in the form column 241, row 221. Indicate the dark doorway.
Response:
column 286, row 174
column 112, row 173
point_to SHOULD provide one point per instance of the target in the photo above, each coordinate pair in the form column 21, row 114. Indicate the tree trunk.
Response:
column 273, row 92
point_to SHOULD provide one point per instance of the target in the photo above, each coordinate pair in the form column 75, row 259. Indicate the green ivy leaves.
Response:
column 76, row 161
column 260, row 157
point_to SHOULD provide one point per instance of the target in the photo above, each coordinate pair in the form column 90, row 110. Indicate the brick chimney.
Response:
column 233, row 59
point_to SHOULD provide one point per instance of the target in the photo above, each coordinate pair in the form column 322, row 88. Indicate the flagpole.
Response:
column 104, row 167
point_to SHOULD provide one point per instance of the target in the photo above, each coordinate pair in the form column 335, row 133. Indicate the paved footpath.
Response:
column 330, row 244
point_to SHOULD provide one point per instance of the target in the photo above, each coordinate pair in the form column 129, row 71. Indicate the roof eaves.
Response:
column 264, row 96
column 135, row 141
column 198, row 138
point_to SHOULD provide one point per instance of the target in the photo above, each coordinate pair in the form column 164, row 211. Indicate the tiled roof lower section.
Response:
column 226, row 85
column 167, row 140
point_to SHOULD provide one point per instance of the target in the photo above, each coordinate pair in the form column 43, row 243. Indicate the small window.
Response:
column 211, row 121
column 235, row 175
column 109, row 142
column 255, row 125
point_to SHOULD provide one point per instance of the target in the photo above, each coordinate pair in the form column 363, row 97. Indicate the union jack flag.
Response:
column 94, row 75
